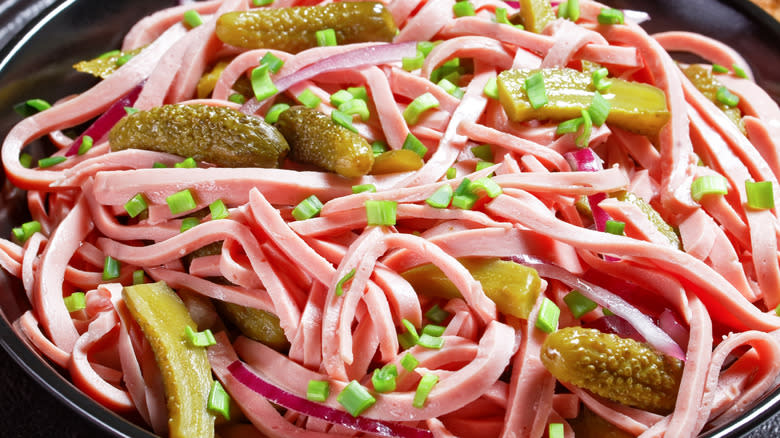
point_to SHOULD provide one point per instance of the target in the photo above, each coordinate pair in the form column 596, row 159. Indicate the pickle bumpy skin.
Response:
column 622, row 370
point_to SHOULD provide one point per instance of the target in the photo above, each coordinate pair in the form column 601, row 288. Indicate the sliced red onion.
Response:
column 643, row 324
column 513, row 4
column 585, row 160
column 99, row 129
column 318, row 410
column 372, row 55
column 637, row 17
column 615, row 325
column 669, row 323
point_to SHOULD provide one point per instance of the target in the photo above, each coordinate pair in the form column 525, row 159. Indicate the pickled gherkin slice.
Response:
column 105, row 64
column 316, row 139
column 535, row 15
column 620, row 369
column 218, row 135
column 704, row 81
column 294, row 29
column 654, row 217
column 257, row 324
column 635, row 106
column 589, row 425
column 396, row 160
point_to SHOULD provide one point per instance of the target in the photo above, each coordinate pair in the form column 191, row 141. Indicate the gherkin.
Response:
column 218, row 135
column 620, row 369
column 315, row 139
column 702, row 78
column 294, row 29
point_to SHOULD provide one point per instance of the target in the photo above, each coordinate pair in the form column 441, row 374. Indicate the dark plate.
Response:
column 36, row 63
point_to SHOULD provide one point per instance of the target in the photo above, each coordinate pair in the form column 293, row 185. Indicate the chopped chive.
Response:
column 424, row 388
column 340, row 285
column 463, row 187
column 449, row 70
column 451, row 173
column 419, row 105
column 180, row 202
column 587, row 127
column 378, row 147
column 199, row 339
column 433, row 330
column 31, row 106
column 579, row 304
column 274, row 112
column 75, row 301
column 109, row 54
column 717, row 68
column 463, row 8
column 262, row 2
column 356, row 107
column 483, row 152
column 86, row 145
column 192, row 18
column 488, row 185
column 122, row 60
column 18, row 234
column 425, row 47
column 573, row 10
column 307, row 209
column 726, row 97
column 364, row 188
column 187, row 163
column 436, row 314
column 383, row 379
column 760, row 195
column 130, row 110
column 555, row 430
column 534, row 88
column 547, row 319
column 615, row 227
column 50, row 161
column 413, row 144
column 26, row 230
column 491, row 88
column 219, row 400
column 326, row 37
column 218, row 210
column 272, row 61
column 342, row 119
column 408, row 338
column 309, row 99
column 413, row 63
column 409, row 362
column 187, row 223
column 355, row 398
column 158, row 165
column 441, row 198
column 237, row 98
column 501, row 16
column 708, row 185
column 25, row 160
column 599, row 109
column 569, row 126
column 381, row 212
column 318, row 390
column 607, row 312
column 450, row 88
column 340, row 97
column 610, row 16
column 563, row 10
column 465, row 201
column 139, row 276
column 598, row 77
column 739, row 71
column 110, row 268
column 484, row 165
column 262, row 85
column 359, row 92
column 136, row 205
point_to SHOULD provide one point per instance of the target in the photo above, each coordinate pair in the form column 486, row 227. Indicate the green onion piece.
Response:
column 340, row 285
column 318, row 390
column 218, row 210
column 356, row 107
column 465, row 201
column 428, row 341
column 491, row 88
column 563, row 10
column 569, row 126
column 488, row 185
column 534, row 88
column 136, row 205
column 219, row 400
column 308, row 98
column 419, row 105
column 359, row 92
column 379, row 147
column 86, row 144
column 777, row 310
column 451, row 88
column 262, row 85
column 188, row 222
column 262, row 2
column 307, row 209
column 274, row 112
column 413, row 144
column 441, row 198
column 555, row 430
column 451, row 173
column 25, row 160
column 413, row 63
column 484, row 165
column 199, row 339
column 607, row 312
column 237, row 98
column 463, row 8
column 158, row 165
column 573, row 10
column 122, row 60
column 139, row 276
column 110, row 54
column 600, row 83
column 760, row 195
column 50, row 161
column 409, row 362
column 272, row 61
column 355, row 398
column 187, row 163
column 18, row 234
column 615, row 227
column 364, row 188
column 463, row 187
column 587, row 127
column 326, row 37
column 578, row 303
column 423, row 389
column 383, row 378
column 30, row 107
column 547, row 319
column 180, row 202
column 409, row 338
column 483, row 152
column 130, row 110
column 501, row 16
column 449, row 70
column 436, row 314
column 343, row 119
column 739, row 71
column 717, row 68
column 26, row 230
column 599, row 109
column 192, row 18
column 340, row 97
column 425, row 47
column 610, row 16
column 110, row 268
column 708, row 185
column 381, row 212
column 726, row 97
column 433, row 330
column 75, row 301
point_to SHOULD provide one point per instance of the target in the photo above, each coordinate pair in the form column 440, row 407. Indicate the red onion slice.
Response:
column 99, row 129
column 587, row 161
column 291, row 401
column 656, row 337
